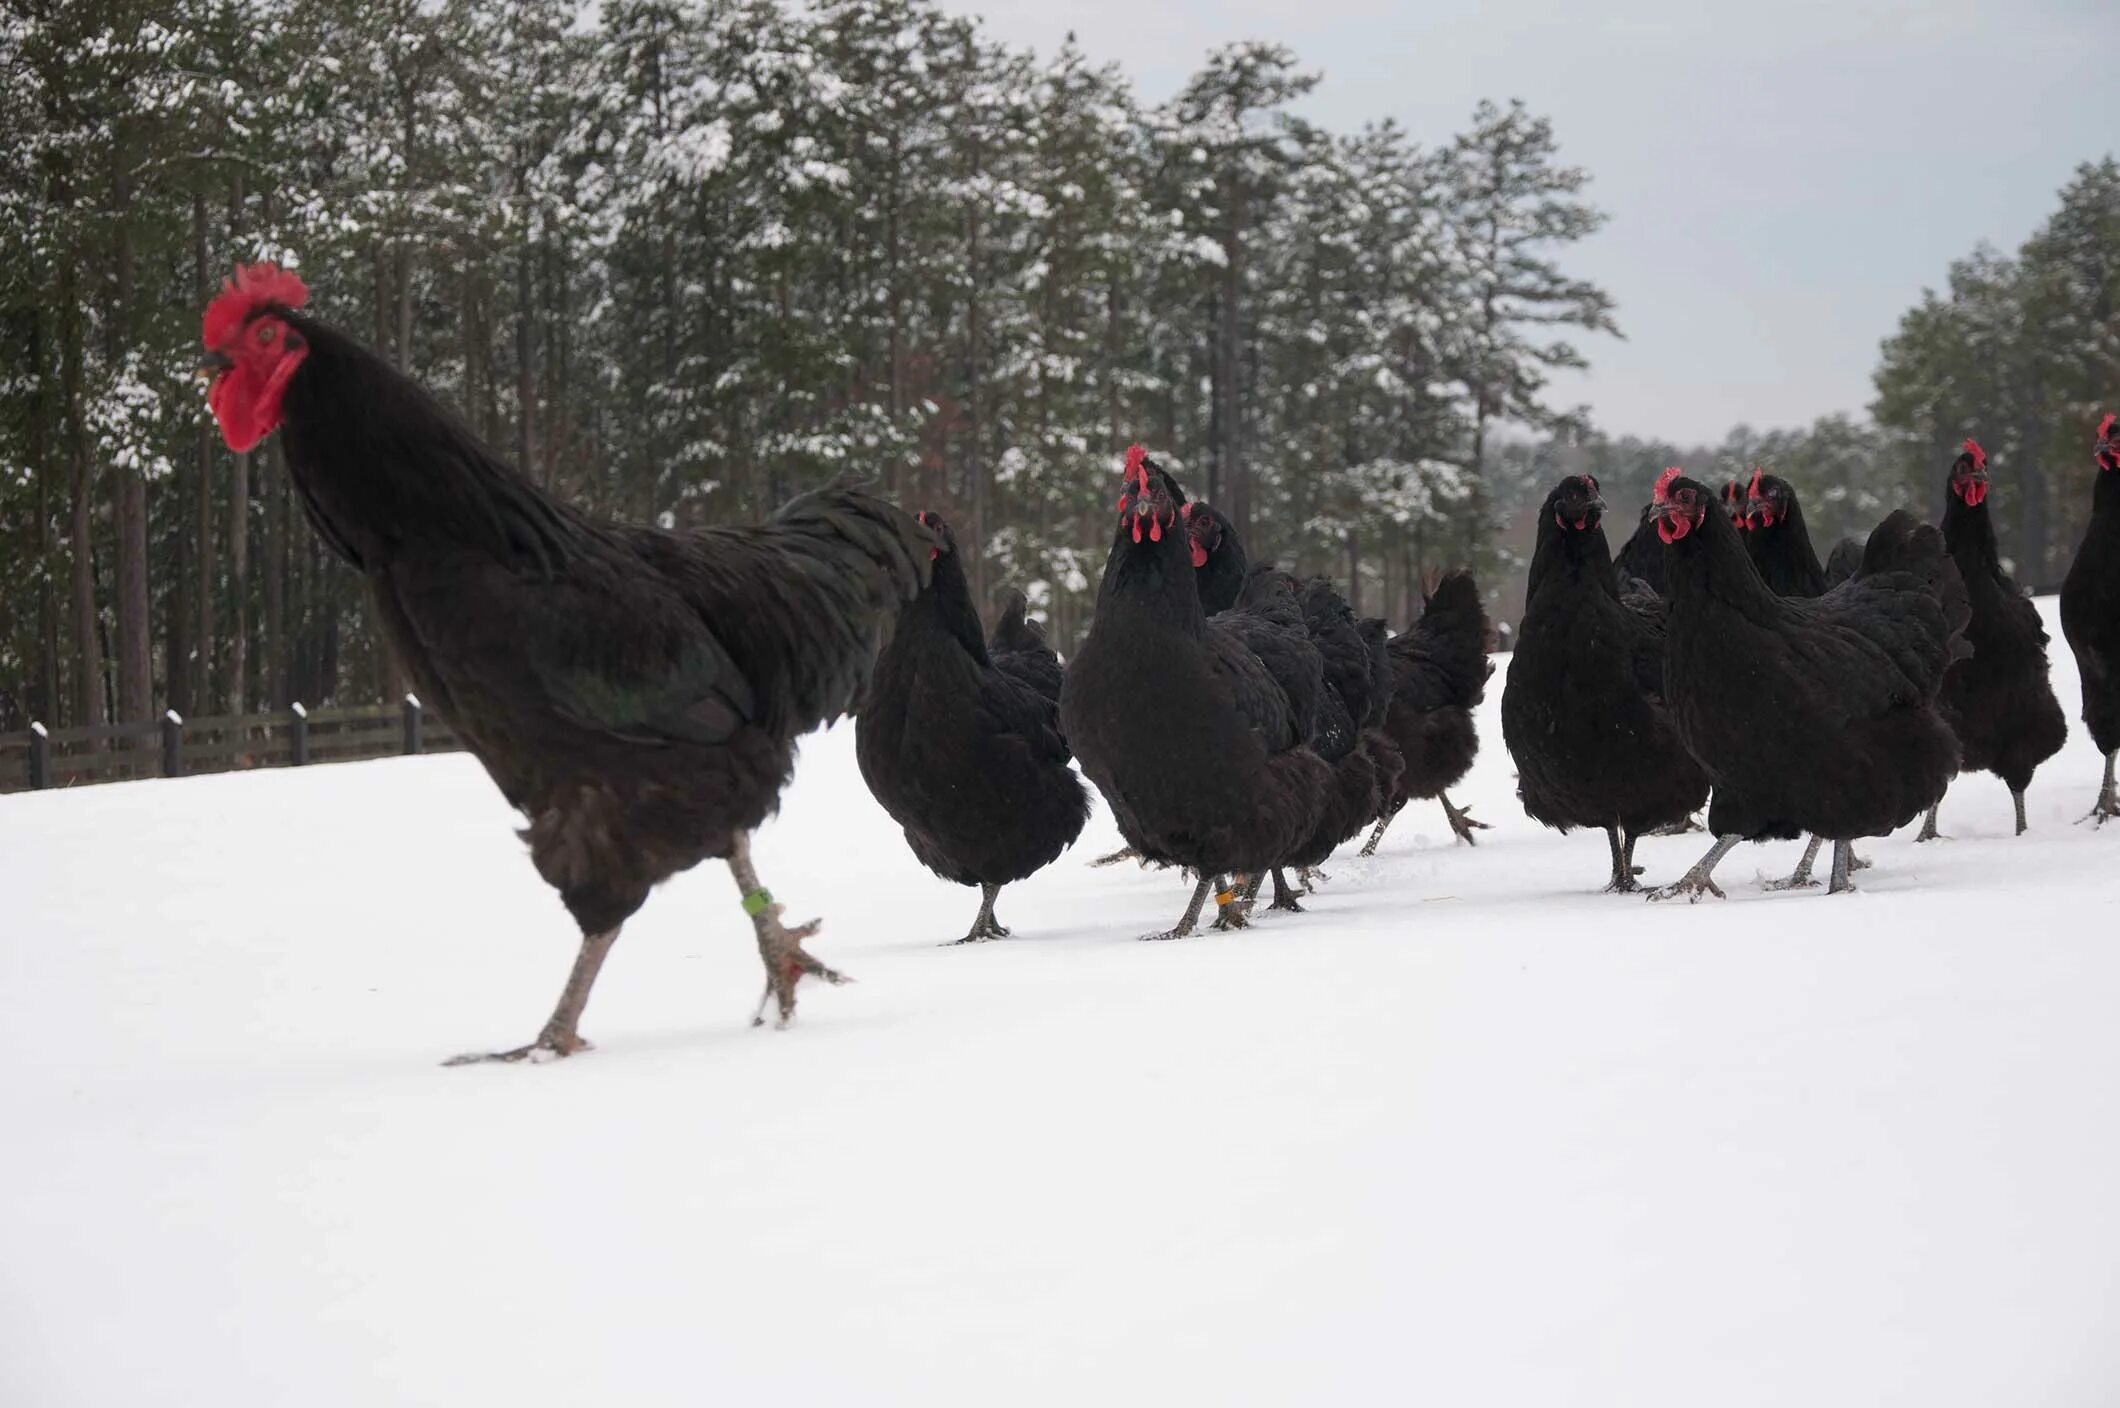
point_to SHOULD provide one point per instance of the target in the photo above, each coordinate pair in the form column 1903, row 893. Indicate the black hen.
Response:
column 1349, row 703
column 1810, row 715
column 1181, row 726
column 635, row 693
column 1999, row 702
column 1439, row 673
column 960, row 740
column 1777, row 540
column 1583, row 709
column 2090, row 614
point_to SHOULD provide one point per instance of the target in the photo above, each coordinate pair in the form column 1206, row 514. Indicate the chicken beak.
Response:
column 212, row 365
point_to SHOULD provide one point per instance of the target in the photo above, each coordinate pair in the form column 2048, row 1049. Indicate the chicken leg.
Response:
column 1233, row 910
column 1843, row 862
column 1623, row 867
column 1700, row 880
column 1284, row 895
column 1928, row 827
column 2018, row 799
column 1461, row 820
column 560, row 1037
column 779, row 948
column 2108, row 804
column 1129, row 853
column 1369, row 847
column 986, row 926
column 1191, row 917
column 1800, row 877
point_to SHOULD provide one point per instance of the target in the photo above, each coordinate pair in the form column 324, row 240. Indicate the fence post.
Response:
column 40, row 757
column 299, row 741
column 172, row 743
column 412, row 724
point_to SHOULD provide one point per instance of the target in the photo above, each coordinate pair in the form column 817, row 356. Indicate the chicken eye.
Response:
column 266, row 333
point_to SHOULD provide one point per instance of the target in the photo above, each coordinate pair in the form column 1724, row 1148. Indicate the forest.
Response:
column 681, row 260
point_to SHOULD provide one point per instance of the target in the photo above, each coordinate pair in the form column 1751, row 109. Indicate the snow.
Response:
column 1467, row 1132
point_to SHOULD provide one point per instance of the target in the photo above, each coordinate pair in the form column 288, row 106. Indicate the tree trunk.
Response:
column 128, row 488
column 525, row 366
column 272, row 668
column 44, row 701
column 88, row 672
column 203, row 648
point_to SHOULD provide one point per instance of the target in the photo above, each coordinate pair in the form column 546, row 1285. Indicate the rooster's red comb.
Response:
column 2105, row 429
column 255, row 286
column 1974, row 453
column 1752, row 489
column 1664, row 482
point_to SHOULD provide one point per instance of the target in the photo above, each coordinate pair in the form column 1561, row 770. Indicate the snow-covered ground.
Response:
column 1468, row 1132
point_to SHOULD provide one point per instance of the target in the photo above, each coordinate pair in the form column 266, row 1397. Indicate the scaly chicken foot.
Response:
column 986, row 926
column 1800, row 877
column 1461, row 820
column 1310, row 877
column 1129, row 853
column 1700, row 880
column 1233, row 904
column 1928, row 827
column 560, row 1038
column 1369, row 847
column 1624, row 870
column 1185, row 925
column 2108, row 804
column 1284, row 894
column 1679, row 828
column 779, row 947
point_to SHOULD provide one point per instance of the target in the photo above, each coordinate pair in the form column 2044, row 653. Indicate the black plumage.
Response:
column 1584, row 713
column 1999, row 700
column 2090, row 614
column 635, row 693
column 1439, row 672
column 1180, row 725
column 1810, row 715
column 959, row 739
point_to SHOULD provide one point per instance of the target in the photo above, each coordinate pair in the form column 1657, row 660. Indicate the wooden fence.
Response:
column 175, row 747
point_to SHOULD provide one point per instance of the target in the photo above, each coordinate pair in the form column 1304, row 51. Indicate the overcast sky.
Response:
column 1783, row 177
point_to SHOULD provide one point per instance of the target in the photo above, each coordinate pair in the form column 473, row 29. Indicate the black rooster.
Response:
column 1810, row 715
column 1583, row 709
column 1183, row 728
column 1999, row 702
column 959, row 739
column 2090, row 615
column 635, row 693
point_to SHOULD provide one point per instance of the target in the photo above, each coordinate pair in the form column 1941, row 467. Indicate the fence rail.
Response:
column 172, row 746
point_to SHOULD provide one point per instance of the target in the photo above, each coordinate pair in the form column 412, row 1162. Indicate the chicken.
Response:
column 1180, row 725
column 2090, row 614
column 959, row 739
column 1641, row 559
column 1583, row 709
column 635, row 693
column 1776, row 539
column 1350, row 698
column 1439, row 673
column 1998, row 701
column 1811, row 715
column 1843, row 562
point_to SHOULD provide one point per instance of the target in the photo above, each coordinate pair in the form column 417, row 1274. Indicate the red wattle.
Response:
column 1155, row 530
column 1137, row 530
column 1199, row 555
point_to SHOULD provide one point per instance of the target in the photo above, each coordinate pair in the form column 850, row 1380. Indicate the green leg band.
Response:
column 757, row 902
